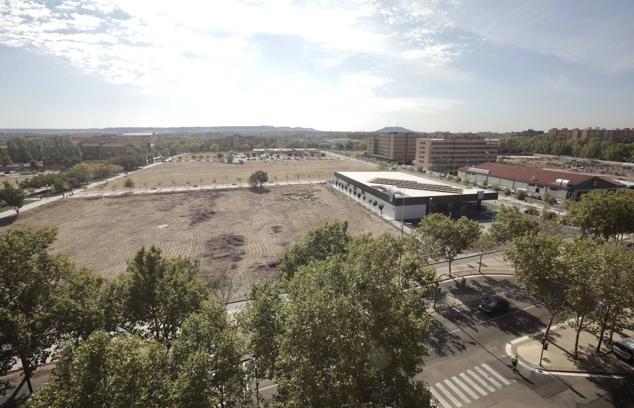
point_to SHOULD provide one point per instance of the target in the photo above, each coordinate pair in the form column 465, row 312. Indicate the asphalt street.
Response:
column 469, row 367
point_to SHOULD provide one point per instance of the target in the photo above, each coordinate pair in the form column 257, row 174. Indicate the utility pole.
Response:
column 402, row 214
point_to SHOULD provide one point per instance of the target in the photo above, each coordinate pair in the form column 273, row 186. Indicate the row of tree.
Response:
column 76, row 176
column 589, row 148
column 588, row 279
column 53, row 150
column 240, row 143
column 349, row 329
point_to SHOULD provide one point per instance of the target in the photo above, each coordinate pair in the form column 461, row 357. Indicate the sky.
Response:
column 426, row 65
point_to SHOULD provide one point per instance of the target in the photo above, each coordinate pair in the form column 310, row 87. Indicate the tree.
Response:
column 79, row 305
column 12, row 196
column 511, row 223
column 604, row 214
column 353, row 329
column 583, row 268
column 539, row 267
column 258, row 179
column 158, row 293
column 103, row 372
column 447, row 238
column 521, row 195
column 262, row 321
column 207, row 355
column 615, row 288
column 382, row 165
column 30, row 281
column 482, row 245
column 128, row 183
column 320, row 243
column 381, row 208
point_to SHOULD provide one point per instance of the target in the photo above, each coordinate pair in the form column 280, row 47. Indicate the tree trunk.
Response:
column 449, row 262
column 27, row 373
column 480, row 263
column 604, row 324
column 579, row 326
column 612, row 329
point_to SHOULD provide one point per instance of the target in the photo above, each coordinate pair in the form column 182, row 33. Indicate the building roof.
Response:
column 534, row 176
column 406, row 185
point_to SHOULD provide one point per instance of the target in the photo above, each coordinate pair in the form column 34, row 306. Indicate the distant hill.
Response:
column 166, row 130
column 394, row 129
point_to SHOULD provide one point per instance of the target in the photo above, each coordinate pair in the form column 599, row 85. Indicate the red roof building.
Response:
column 537, row 182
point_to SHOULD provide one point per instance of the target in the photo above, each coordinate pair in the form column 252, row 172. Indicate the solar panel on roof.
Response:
column 415, row 185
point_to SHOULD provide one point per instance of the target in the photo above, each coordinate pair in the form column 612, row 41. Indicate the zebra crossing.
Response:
column 468, row 386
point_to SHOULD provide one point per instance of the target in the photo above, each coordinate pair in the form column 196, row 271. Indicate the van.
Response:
column 624, row 349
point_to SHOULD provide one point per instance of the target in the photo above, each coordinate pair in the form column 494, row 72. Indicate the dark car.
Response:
column 625, row 349
column 493, row 305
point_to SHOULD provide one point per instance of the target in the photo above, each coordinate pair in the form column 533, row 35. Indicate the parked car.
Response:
column 624, row 349
column 493, row 305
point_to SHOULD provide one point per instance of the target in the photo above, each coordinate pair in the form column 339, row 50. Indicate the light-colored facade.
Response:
column 536, row 183
column 399, row 147
column 397, row 195
column 454, row 151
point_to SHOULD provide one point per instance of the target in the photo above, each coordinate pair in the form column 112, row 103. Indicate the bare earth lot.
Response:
column 211, row 173
column 240, row 233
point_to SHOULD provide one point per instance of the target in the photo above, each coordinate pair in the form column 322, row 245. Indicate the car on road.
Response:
column 493, row 305
column 624, row 349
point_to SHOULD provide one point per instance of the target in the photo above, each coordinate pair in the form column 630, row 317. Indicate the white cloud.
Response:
column 203, row 52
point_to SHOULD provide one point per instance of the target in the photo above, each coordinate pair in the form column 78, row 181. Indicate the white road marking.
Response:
column 456, row 390
column 465, row 388
column 495, row 373
column 440, row 399
column 481, row 381
column 442, row 389
column 473, row 384
column 488, row 377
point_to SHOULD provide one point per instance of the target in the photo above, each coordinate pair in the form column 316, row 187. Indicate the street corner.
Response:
column 556, row 355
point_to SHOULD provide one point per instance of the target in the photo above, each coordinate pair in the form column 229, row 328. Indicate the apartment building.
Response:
column 454, row 151
column 398, row 147
column 625, row 135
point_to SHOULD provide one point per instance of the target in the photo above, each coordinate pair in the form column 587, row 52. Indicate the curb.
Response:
column 510, row 352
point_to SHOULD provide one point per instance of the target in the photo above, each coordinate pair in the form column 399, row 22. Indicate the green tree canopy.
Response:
column 207, row 355
column 35, row 289
column 539, row 267
column 258, row 178
column 158, row 293
column 320, row 243
column 510, row 223
column 353, row 329
column 447, row 238
column 603, row 214
column 109, row 372
column 12, row 196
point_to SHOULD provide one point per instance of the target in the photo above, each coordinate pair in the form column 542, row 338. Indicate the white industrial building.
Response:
column 404, row 196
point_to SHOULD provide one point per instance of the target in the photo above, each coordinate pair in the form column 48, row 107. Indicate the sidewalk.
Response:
column 560, row 357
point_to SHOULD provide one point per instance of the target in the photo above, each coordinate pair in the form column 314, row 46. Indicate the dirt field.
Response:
column 211, row 173
column 240, row 233
column 576, row 165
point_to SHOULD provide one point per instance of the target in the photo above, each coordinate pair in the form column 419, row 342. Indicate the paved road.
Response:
column 75, row 192
column 469, row 367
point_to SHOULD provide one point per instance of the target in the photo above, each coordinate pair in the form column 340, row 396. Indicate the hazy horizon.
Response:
column 352, row 65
